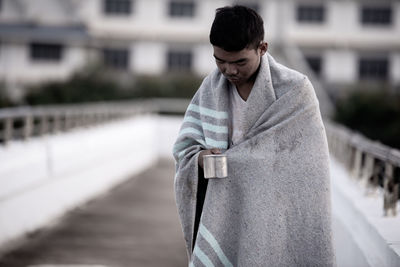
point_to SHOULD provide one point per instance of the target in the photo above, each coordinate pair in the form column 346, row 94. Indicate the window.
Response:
column 117, row 7
column 376, row 15
column 310, row 13
column 181, row 8
column 46, row 52
column 315, row 64
column 116, row 58
column 179, row 61
column 373, row 68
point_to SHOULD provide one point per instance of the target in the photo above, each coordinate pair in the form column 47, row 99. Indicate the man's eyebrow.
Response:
column 217, row 58
column 236, row 61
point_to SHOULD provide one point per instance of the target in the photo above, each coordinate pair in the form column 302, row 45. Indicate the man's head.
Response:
column 235, row 28
column 237, row 37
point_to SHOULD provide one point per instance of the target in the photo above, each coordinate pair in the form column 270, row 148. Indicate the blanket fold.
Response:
column 273, row 209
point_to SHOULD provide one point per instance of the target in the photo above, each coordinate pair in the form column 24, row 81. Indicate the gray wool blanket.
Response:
column 273, row 209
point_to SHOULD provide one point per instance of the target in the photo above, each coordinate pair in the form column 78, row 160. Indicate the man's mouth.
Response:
column 233, row 78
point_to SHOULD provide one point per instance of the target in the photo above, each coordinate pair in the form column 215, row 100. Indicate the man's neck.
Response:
column 244, row 89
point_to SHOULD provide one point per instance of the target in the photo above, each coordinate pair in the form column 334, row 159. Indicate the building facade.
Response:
column 344, row 41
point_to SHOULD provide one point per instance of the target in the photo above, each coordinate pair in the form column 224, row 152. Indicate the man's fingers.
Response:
column 215, row 151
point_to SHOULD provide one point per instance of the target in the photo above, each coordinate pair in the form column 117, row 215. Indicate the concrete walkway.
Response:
column 135, row 224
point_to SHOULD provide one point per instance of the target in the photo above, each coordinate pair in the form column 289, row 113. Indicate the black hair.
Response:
column 236, row 27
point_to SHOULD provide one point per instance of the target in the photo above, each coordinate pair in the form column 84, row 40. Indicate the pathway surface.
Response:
column 135, row 224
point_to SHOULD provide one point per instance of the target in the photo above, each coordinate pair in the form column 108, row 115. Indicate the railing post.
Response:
column 28, row 127
column 86, row 119
column 77, row 119
column 44, row 125
column 56, row 123
column 391, row 191
column 356, row 172
column 80, row 118
column 343, row 151
column 67, row 123
column 349, row 155
column 8, row 130
column 368, row 170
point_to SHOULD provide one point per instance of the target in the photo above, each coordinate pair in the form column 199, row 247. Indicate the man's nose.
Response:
column 230, row 69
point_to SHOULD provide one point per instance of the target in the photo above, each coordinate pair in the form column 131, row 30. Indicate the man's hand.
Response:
column 207, row 152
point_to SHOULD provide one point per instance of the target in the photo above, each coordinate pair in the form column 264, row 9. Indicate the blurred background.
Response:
column 80, row 51
column 102, row 85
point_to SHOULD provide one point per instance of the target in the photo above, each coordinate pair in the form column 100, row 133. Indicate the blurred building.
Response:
column 344, row 41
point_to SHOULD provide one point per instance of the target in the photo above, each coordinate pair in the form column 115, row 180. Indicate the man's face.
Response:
column 239, row 66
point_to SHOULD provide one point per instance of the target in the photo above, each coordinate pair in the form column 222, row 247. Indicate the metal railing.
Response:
column 21, row 123
column 374, row 164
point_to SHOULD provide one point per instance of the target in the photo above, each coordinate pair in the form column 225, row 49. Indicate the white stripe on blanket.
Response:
column 207, row 126
column 191, row 130
column 202, row 257
column 214, row 244
column 208, row 112
column 211, row 143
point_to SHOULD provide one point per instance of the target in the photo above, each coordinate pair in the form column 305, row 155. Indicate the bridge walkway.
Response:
column 134, row 224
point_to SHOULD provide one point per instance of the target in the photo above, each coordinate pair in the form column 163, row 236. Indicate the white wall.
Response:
column 150, row 21
column 274, row 26
column 56, row 11
column 204, row 62
column 148, row 57
column 17, row 66
column 304, row 33
column 34, row 71
column 395, row 67
column 149, row 31
column 10, row 11
column 340, row 66
column 342, row 28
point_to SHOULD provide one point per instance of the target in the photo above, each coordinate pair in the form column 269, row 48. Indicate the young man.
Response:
column 273, row 208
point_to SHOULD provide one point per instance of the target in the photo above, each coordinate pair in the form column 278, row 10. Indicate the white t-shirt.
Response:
column 237, row 119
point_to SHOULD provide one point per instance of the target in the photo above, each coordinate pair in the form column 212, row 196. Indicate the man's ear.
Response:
column 263, row 48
